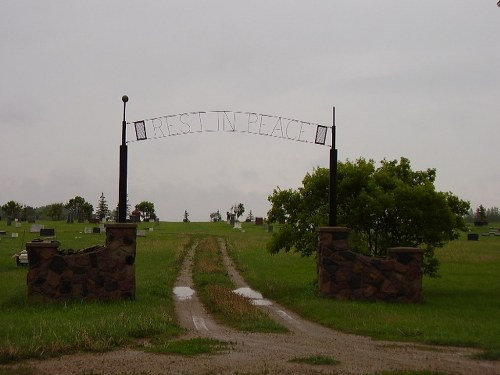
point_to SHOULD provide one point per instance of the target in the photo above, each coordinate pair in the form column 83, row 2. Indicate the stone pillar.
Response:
column 100, row 272
column 409, row 266
column 331, row 240
column 121, row 238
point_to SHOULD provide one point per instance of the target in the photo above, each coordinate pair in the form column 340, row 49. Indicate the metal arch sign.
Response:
column 230, row 121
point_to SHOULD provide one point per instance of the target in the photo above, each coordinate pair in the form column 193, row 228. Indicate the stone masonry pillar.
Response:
column 331, row 239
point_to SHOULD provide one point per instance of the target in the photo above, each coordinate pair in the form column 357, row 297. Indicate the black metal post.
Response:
column 122, row 193
column 332, row 220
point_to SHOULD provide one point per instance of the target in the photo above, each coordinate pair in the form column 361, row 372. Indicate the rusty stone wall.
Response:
column 101, row 272
column 345, row 274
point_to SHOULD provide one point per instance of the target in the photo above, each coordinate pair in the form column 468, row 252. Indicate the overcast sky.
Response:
column 417, row 79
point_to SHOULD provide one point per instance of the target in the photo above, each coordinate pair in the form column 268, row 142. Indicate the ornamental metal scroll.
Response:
column 229, row 121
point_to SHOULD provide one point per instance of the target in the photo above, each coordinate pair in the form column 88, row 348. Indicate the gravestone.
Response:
column 141, row 233
column 87, row 230
column 259, row 221
column 96, row 230
column 472, row 237
column 47, row 232
column 35, row 228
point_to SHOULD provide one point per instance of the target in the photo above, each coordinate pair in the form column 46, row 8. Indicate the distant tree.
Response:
column 493, row 214
column 13, row 209
column 238, row 209
column 215, row 216
column 102, row 211
column 481, row 218
column 55, row 211
column 186, row 217
column 79, row 209
column 147, row 210
column 250, row 217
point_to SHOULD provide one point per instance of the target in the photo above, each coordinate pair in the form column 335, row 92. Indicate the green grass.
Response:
column 216, row 291
column 38, row 330
column 461, row 307
column 191, row 347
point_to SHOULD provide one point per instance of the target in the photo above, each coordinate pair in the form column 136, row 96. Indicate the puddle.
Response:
column 255, row 296
column 183, row 292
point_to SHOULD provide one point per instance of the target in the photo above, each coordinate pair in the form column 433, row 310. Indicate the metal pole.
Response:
column 122, row 193
column 332, row 220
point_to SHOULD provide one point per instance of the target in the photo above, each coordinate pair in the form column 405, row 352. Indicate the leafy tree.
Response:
column 215, row 216
column 147, row 210
column 102, row 208
column 384, row 207
column 79, row 208
column 55, row 211
column 238, row 209
column 12, row 209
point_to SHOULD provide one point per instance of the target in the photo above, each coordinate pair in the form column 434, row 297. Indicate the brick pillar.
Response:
column 331, row 239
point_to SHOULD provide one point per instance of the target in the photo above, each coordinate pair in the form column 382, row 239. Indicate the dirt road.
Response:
column 254, row 353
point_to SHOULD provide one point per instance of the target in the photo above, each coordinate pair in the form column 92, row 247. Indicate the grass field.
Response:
column 460, row 308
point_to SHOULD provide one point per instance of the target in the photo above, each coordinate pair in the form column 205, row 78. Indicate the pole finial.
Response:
column 124, row 98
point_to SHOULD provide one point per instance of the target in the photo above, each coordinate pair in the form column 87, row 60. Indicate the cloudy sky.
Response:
column 417, row 79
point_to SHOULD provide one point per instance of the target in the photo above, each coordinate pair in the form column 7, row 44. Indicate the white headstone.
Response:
column 141, row 233
column 87, row 230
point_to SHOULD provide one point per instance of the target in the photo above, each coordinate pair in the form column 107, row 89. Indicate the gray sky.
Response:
column 417, row 79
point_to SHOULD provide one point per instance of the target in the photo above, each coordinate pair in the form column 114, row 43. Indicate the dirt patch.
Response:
column 257, row 353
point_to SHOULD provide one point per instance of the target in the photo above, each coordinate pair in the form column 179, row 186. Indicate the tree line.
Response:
column 76, row 209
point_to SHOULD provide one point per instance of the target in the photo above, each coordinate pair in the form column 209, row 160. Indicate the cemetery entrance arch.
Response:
column 226, row 121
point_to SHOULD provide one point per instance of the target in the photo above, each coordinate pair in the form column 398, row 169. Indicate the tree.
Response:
column 79, row 209
column 238, row 209
column 102, row 208
column 384, row 207
column 12, row 209
column 186, row 217
column 481, row 217
column 215, row 216
column 147, row 210
column 250, row 217
column 55, row 211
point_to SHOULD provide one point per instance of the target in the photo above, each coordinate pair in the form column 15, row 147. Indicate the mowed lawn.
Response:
column 462, row 307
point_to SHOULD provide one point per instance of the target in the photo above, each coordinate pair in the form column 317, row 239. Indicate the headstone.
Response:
column 35, row 228
column 151, row 229
column 14, row 235
column 18, row 225
column 47, row 232
column 472, row 237
column 87, row 230
column 96, row 230
column 259, row 221
column 237, row 225
column 141, row 233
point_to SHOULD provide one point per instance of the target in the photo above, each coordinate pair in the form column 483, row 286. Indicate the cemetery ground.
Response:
column 457, row 323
